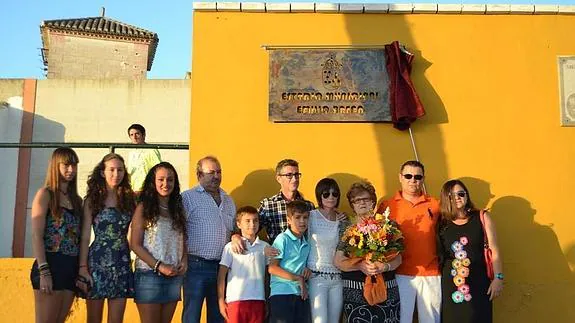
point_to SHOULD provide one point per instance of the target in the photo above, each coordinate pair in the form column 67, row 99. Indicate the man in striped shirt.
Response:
column 210, row 220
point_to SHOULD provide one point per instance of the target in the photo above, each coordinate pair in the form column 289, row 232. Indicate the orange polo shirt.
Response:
column 420, row 256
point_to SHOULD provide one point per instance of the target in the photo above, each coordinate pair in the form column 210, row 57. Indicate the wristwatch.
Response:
column 499, row 276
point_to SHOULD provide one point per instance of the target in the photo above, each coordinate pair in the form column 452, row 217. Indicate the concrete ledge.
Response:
column 395, row 8
column 527, row 9
column 376, row 8
column 204, row 6
column 425, row 8
column 400, row 8
column 449, row 8
column 351, row 8
column 327, row 7
column 303, row 7
column 491, row 9
column 253, row 7
column 228, row 6
column 546, row 9
column 567, row 10
column 473, row 8
column 277, row 7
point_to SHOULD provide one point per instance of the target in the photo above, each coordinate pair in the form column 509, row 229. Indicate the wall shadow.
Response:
column 570, row 255
column 11, row 116
column 480, row 191
column 395, row 146
column 257, row 185
column 538, row 279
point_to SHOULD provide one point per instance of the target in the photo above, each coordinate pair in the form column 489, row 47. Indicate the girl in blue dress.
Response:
column 105, row 268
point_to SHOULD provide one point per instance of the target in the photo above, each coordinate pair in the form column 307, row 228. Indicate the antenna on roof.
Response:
column 102, row 11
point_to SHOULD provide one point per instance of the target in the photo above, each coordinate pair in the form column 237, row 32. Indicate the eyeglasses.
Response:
column 361, row 200
column 213, row 172
column 326, row 195
column 291, row 175
column 410, row 176
column 459, row 193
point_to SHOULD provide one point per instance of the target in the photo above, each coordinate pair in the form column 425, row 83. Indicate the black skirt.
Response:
column 356, row 308
column 64, row 270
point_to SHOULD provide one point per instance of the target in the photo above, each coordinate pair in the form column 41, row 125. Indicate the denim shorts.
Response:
column 154, row 289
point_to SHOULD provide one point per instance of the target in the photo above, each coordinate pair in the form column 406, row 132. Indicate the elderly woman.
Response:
column 467, row 291
column 362, row 198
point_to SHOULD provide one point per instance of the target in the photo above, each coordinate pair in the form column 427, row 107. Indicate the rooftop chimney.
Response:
column 102, row 11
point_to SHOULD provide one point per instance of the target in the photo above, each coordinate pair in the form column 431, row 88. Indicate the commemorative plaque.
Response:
column 335, row 85
column 567, row 89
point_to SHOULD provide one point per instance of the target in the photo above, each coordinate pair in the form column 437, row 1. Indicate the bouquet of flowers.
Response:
column 374, row 239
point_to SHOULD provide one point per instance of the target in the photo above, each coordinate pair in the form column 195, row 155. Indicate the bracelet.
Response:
column 81, row 266
column 43, row 266
column 157, row 266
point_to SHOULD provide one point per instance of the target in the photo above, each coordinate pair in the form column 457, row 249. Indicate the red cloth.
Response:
column 405, row 104
column 246, row 312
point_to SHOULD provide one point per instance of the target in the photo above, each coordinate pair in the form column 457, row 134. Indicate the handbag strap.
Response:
column 482, row 218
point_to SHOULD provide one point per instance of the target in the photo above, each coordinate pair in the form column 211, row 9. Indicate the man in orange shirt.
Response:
column 418, row 276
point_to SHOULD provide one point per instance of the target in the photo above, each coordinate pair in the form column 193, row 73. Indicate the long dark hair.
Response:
column 97, row 190
column 62, row 155
column 447, row 206
column 151, row 201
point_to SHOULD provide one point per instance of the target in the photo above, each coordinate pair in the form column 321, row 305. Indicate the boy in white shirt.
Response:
column 243, row 299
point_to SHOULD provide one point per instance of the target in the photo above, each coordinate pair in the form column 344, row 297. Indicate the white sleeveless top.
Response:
column 323, row 236
column 163, row 242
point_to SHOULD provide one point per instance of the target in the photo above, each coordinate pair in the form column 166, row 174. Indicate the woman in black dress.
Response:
column 467, row 292
column 362, row 198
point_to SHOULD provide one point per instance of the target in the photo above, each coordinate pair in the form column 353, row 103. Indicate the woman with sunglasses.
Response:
column 325, row 284
column 467, row 292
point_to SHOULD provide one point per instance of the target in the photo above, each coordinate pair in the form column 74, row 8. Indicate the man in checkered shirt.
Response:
column 272, row 209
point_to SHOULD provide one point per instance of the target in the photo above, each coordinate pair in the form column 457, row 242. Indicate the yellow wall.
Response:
column 17, row 298
column 489, row 84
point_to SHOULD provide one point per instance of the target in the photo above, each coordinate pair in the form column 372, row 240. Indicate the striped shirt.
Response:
column 209, row 225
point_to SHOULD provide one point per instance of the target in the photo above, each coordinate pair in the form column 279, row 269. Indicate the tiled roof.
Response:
column 106, row 27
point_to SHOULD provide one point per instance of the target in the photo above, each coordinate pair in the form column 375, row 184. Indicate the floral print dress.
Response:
column 109, row 256
column 464, row 281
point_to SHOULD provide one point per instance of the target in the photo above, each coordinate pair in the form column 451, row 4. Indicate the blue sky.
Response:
column 171, row 20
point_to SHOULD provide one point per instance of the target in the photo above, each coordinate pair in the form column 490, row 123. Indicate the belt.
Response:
column 359, row 285
column 198, row 258
column 326, row 275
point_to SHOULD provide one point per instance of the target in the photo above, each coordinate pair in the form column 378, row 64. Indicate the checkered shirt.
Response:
column 209, row 225
column 273, row 214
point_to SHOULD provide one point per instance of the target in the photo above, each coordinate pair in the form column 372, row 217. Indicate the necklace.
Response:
column 163, row 207
column 64, row 192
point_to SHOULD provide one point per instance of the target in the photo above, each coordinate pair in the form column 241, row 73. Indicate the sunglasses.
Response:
column 460, row 193
column 326, row 195
column 410, row 176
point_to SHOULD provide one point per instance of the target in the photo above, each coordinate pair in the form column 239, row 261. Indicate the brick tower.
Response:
column 95, row 48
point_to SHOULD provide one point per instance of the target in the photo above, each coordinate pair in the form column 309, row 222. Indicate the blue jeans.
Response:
column 201, row 282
